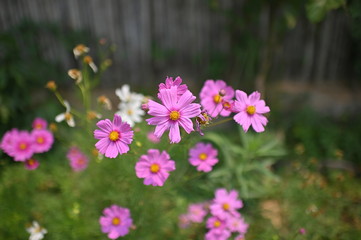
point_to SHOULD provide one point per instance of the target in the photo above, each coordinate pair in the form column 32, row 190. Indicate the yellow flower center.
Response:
column 154, row 168
column 226, row 206
column 174, row 115
column 80, row 161
column 217, row 98
column 114, row 136
column 130, row 112
column 23, row 146
column 38, row 126
column 31, row 162
column 226, row 105
column 217, row 223
column 116, row 221
column 40, row 140
column 203, row 156
column 251, row 110
column 68, row 116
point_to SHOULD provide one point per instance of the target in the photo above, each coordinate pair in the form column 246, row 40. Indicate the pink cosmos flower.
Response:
column 7, row 141
column 114, row 137
column 302, row 231
column 174, row 113
column 213, row 95
column 116, row 221
column 153, row 138
column 169, row 83
column 42, row 140
column 22, row 148
column 196, row 212
column 77, row 159
column 218, row 229
column 226, row 204
column 39, row 123
column 250, row 110
column 204, row 156
column 237, row 224
column 154, row 167
column 31, row 164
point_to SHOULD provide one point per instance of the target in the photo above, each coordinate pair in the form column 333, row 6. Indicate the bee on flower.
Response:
column 67, row 116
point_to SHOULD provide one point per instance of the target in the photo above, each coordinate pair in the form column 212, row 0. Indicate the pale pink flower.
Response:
column 250, row 110
column 204, row 156
column 154, row 167
column 169, row 83
column 116, row 221
column 31, row 164
column 174, row 113
column 302, row 231
column 39, row 123
column 196, row 212
column 184, row 221
column 77, row 159
column 152, row 137
column 42, row 140
column 237, row 224
column 22, row 148
column 226, row 204
column 114, row 137
column 213, row 95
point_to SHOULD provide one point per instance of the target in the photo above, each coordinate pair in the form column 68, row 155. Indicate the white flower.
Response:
column 67, row 116
column 130, row 112
column 79, row 50
column 125, row 95
column 36, row 232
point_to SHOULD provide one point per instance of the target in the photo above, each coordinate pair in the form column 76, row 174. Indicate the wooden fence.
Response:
column 156, row 38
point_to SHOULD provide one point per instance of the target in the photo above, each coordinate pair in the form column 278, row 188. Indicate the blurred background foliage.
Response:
column 303, row 172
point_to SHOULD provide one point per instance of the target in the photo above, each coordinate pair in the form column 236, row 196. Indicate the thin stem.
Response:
column 220, row 122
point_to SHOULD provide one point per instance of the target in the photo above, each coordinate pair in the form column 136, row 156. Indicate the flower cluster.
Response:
column 130, row 105
column 77, row 159
column 224, row 220
column 22, row 145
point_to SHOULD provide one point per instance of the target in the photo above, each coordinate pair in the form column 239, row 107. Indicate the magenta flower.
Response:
column 31, row 164
column 218, row 229
column 39, row 123
column 204, row 156
column 114, row 137
column 174, row 113
column 169, row 83
column 77, row 159
column 226, row 204
column 213, row 95
column 154, row 167
column 196, row 212
column 42, row 140
column 116, row 221
column 7, row 141
column 22, row 148
column 302, row 231
column 250, row 110
column 153, row 138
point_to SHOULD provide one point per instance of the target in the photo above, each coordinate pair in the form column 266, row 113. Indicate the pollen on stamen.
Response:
column 217, row 223
column 217, row 98
column 154, row 168
column 251, row 110
column 202, row 156
column 114, row 136
column 116, row 221
column 174, row 115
